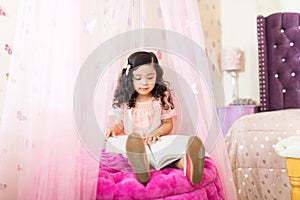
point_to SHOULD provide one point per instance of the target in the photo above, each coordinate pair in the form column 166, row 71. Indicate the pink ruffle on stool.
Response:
column 117, row 181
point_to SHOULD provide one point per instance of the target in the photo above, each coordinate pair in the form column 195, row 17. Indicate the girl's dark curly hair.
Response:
column 125, row 92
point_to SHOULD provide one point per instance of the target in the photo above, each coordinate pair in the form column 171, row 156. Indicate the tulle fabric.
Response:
column 186, row 20
column 42, row 155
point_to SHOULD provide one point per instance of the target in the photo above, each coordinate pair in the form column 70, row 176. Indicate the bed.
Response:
column 259, row 173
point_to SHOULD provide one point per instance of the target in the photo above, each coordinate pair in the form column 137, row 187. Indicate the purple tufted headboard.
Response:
column 279, row 61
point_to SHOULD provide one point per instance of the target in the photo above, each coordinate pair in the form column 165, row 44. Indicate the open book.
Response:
column 160, row 154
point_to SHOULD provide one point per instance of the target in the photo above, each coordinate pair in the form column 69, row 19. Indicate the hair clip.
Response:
column 127, row 67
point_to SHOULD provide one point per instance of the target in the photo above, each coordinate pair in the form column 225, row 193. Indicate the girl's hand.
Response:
column 110, row 133
column 152, row 138
column 164, row 129
column 114, row 130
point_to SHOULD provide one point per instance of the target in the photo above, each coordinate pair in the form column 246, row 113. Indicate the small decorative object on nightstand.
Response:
column 232, row 61
column 229, row 114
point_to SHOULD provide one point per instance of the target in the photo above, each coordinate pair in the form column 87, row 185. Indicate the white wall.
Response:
column 238, row 18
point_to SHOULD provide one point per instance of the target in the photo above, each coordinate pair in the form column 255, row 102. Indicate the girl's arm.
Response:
column 164, row 129
column 115, row 129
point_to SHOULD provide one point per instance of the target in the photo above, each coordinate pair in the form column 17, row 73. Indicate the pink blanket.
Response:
column 116, row 181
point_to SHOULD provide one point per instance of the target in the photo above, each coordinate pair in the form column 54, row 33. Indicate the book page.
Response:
column 117, row 144
column 164, row 152
column 169, row 149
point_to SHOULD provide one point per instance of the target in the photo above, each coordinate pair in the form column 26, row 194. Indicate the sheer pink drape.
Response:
column 186, row 20
column 41, row 153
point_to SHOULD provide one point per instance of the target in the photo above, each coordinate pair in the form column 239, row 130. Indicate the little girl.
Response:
column 144, row 109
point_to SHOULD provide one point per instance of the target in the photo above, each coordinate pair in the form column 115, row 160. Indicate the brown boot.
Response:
column 194, row 160
column 136, row 153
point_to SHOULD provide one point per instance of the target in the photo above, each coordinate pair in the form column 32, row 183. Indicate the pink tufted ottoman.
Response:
column 117, row 181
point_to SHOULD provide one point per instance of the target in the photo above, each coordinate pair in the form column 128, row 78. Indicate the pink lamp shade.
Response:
column 232, row 59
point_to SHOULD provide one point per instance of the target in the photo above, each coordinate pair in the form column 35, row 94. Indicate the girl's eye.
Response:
column 150, row 78
column 137, row 78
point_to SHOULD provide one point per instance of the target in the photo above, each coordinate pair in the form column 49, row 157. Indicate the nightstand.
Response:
column 229, row 114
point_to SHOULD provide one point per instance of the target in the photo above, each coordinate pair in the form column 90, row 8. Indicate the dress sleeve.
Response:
column 118, row 113
column 165, row 114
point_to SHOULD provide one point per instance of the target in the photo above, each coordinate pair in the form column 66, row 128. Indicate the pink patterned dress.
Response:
column 144, row 117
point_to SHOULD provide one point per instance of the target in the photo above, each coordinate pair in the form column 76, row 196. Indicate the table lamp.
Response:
column 232, row 61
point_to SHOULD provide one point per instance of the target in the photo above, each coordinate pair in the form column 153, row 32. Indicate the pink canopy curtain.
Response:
column 186, row 21
column 43, row 154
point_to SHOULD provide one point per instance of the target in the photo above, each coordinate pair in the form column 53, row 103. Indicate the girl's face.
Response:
column 144, row 79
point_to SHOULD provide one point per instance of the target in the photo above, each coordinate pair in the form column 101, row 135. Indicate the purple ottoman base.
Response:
column 116, row 181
